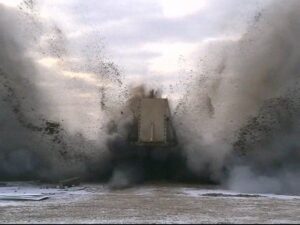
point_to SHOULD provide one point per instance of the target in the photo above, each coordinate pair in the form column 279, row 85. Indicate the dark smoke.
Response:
column 135, row 164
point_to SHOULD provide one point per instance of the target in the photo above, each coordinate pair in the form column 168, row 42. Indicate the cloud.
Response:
column 128, row 28
column 178, row 8
column 144, row 38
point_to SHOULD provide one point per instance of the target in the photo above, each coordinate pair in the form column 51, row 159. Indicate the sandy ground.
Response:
column 162, row 203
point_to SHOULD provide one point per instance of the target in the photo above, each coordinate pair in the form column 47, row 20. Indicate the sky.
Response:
column 149, row 40
column 154, row 42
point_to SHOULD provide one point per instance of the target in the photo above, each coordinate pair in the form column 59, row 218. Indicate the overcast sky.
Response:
column 149, row 40
column 154, row 42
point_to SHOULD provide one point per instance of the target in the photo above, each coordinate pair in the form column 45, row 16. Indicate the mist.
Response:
column 43, row 134
column 240, row 117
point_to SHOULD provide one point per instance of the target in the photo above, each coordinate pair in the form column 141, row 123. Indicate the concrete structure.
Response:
column 154, row 123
